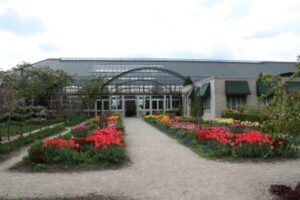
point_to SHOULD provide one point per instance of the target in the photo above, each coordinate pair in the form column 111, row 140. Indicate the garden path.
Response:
column 160, row 169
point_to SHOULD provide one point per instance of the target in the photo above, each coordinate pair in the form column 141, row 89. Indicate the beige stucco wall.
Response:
column 218, row 96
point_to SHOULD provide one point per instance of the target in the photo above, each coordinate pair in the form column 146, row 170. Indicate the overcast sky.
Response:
column 33, row 30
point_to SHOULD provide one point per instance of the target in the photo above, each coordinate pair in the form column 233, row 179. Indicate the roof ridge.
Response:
column 164, row 60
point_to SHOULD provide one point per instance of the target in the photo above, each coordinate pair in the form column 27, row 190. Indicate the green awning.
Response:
column 205, row 90
column 293, row 85
column 261, row 88
column 237, row 88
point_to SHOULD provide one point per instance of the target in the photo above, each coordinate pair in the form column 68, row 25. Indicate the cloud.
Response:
column 20, row 25
column 47, row 47
column 217, row 29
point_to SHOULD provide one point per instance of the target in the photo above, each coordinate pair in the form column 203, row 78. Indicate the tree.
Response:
column 187, row 81
column 196, row 100
column 90, row 90
column 8, row 100
column 282, row 112
column 37, row 83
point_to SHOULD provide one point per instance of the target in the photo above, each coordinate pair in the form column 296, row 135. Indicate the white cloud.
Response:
column 225, row 29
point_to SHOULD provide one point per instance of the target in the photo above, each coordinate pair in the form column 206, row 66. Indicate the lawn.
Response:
column 16, row 127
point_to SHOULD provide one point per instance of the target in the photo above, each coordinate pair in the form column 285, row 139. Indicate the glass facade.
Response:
column 140, row 89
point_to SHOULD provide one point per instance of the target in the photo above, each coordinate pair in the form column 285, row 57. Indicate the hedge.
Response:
column 245, row 116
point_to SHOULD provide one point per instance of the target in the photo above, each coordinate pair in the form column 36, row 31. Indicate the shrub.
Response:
column 285, row 192
column 283, row 110
column 36, row 152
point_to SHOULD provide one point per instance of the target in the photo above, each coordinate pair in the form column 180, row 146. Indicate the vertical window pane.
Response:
column 175, row 103
column 119, row 104
column 106, row 105
column 160, row 104
column 154, row 104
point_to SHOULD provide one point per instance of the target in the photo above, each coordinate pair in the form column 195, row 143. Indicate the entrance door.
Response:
column 130, row 108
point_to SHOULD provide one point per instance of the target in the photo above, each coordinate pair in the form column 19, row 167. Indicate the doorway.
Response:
column 130, row 108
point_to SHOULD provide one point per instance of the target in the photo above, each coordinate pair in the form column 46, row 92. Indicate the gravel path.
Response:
column 161, row 169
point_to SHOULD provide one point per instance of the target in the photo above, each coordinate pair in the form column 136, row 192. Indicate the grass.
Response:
column 16, row 127
column 22, row 141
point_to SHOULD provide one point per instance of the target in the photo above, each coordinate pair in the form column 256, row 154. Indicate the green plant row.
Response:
column 22, row 141
column 74, row 121
column 16, row 127
column 110, row 155
column 245, row 116
column 119, row 125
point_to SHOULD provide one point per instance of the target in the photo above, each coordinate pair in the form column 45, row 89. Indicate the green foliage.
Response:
column 91, row 89
column 74, row 121
column 245, row 116
column 79, row 133
column 283, row 110
column 37, row 83
column 197, row 105
column 112, row 154
column 40, row 167
column 36, row 152
column 186, row 119
column 247, row 150
column 119, row 125
column 62, row 155
column 22, row 141
column 187, row 81
column 15, row 127
column 218, row 150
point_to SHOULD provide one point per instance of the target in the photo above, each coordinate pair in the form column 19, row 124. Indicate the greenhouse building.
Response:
column 134, row 87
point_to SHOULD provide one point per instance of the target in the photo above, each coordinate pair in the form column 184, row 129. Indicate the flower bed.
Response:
column 103, row 147
column 246, row 144
column 222, row 137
